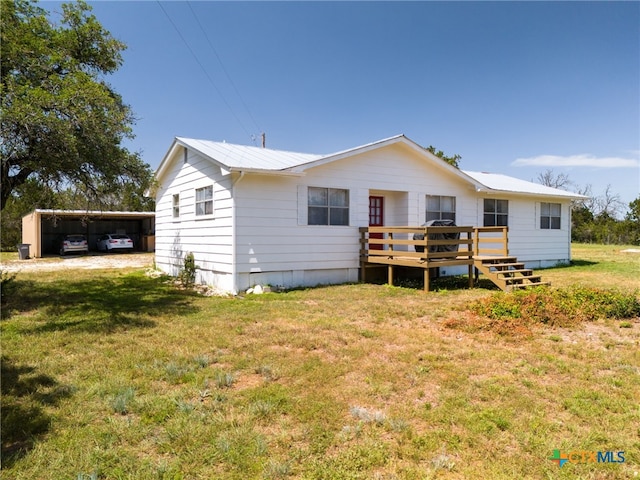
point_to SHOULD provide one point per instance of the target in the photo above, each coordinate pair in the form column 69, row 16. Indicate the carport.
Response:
column 44, row 229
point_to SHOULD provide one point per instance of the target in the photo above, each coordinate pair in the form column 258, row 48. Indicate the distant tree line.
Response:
column 598, row 219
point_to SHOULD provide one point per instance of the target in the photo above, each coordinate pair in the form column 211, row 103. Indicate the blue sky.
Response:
column 514, row 88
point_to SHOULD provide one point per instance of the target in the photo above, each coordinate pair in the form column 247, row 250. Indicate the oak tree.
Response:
column 62, row 124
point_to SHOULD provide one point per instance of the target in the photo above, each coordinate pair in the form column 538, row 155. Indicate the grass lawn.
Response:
column 115, row 374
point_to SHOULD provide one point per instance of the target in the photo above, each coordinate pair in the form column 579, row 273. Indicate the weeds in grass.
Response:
column 368, row 416
column 399, row 425
column 202, row 361
column 269, row 373
column 87, row 476
column 184, row 406
column 262, row 408
column 224, row 379
column 123, row 400
column 349, row 432
column 443, row 461
column 276, row 470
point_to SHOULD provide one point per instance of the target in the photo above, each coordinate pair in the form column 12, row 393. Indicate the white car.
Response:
column 74, row 244
column 114, row 241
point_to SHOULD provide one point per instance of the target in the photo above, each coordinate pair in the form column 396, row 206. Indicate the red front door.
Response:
column 376, row 217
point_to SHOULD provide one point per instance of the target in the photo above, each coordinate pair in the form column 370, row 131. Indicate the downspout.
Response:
column 234, row 268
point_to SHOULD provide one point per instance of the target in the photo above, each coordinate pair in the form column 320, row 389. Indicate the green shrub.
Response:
column 558, row 307
column 6, row 282
column 188, row 273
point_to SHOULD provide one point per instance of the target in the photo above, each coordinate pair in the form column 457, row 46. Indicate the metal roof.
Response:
column 248, row 158
column 239, row 157
column 92, row 213
column 504, row 183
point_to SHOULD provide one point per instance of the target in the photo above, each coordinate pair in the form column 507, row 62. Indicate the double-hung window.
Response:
column 496, row 212
column 328, row 206
column 550, row 215
column 204, row 201
column 441, row 208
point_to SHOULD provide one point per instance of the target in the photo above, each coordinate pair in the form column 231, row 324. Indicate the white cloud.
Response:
column 576, row 161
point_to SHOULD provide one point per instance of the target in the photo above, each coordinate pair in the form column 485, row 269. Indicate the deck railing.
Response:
column 490, row 241
column 430, row 247
column 480, row 241
column 436, row 243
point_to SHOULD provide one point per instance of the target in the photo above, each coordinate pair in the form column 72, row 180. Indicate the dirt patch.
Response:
column 91, row 261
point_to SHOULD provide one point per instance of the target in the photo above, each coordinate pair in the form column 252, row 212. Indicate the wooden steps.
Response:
column 507, row 273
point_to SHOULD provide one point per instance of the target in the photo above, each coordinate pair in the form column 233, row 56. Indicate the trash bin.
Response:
column 23, row 251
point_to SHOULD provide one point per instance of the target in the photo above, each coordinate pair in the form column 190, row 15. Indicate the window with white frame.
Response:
column 328, row 206
column 550, row 214
column 440, row 208
column 176, row 205
column 496, row 212
column 204, row 201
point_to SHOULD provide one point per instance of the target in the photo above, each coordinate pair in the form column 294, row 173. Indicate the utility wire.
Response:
column 222, row 65
column 204, row 70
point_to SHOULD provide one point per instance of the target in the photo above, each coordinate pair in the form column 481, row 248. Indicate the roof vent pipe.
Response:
column 264, row 140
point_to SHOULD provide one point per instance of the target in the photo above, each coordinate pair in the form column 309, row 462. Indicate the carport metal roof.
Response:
column 93, row 213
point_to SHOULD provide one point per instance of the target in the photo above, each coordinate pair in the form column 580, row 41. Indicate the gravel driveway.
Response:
column 91, row 261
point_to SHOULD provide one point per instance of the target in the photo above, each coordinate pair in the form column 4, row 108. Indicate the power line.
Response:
column 203, row 69
column 222, row 65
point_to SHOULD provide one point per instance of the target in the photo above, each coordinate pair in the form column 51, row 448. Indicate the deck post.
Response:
column 476, row 242
column 363, row 257
column 470, row 276
column 505, row 240
column 426, row 278
column 390, row 275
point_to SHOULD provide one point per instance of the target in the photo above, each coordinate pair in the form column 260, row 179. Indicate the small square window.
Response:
column 496, row 213
column 550, row 215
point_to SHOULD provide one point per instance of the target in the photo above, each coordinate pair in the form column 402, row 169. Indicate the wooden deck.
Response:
column 484, row 249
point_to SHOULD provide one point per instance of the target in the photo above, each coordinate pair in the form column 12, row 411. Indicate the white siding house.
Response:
column 259, row 216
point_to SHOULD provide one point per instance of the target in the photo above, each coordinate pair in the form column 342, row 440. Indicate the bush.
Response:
column 558, row 307
column 188, row 273
column 6, row 282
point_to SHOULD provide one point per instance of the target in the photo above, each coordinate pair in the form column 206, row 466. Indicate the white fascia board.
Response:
column 166, row 160
column 512, row 193
column 259, row 171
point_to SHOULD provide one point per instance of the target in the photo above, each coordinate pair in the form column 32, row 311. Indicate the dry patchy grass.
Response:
column 122, row 376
